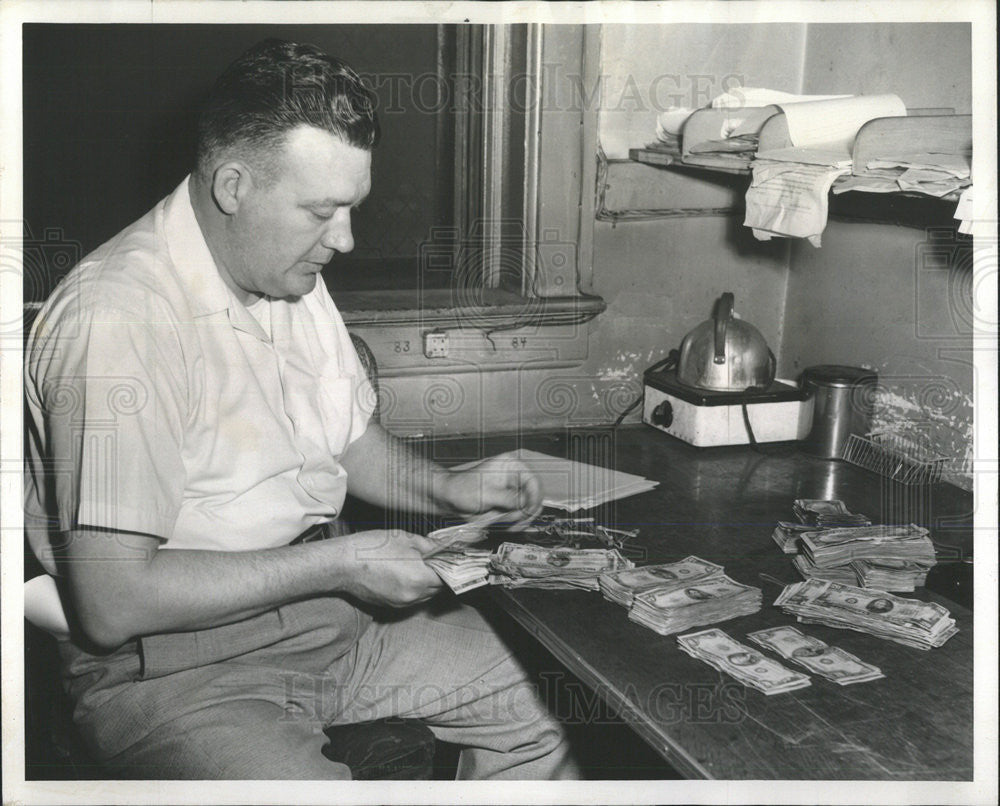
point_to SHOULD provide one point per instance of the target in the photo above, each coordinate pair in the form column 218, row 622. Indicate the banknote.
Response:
column 529, row 560
column 461, row 570
column 463, row 534
column 707, row 601
column 909, row 621
column 525, row 565
column 832, row 663
column 745, row 664
column 620, row 587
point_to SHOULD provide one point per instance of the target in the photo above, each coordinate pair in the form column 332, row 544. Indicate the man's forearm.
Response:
column 120, row 592
column 385, row 470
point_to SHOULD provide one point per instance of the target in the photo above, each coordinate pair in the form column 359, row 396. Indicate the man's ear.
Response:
column 230, row 183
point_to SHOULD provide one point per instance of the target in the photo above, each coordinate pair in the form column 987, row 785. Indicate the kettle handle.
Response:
column 723, row 315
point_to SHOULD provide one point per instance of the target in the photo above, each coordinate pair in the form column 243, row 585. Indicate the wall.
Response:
column 895, row 299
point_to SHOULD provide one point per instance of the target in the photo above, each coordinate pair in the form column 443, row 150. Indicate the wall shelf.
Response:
column 945, row 134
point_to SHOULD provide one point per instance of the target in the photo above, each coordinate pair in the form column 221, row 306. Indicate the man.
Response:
column 195, row 405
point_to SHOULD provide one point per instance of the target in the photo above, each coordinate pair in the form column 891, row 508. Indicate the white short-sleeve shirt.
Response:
column 158, row 403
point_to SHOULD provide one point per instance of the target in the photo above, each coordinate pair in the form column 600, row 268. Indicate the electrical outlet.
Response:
column 436, row 344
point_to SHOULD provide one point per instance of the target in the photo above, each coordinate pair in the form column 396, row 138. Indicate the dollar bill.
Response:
column 673, row 609
column 832, row 663
column 525, row 565
column 696, row 593
column 463, row 534
column 868, row 534
column 622, row 586
column 741, row 662
column 461, row 570
column 528, row 560
column 879, row 613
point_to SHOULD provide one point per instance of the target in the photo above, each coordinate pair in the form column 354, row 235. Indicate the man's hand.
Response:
column 502, row 483
column 386, row 568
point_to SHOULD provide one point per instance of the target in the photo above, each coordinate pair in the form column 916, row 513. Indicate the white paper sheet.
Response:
column 573, row 486
column 759, row 96
column 833, row 124
column 790, row 200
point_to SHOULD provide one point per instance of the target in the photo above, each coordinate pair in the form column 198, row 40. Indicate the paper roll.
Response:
column 833, row 124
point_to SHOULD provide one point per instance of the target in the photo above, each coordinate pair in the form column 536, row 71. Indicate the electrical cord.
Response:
column 665, row 363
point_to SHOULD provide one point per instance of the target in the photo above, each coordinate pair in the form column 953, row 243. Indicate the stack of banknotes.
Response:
column 675, row 608
column 814, row 514
column 887, row 557
column 672, row 597
column 894, row 558
column 891, row 575
column 621, row 587
column 907, row 621
column 517, row 565
column 745, row 664
column 461, row 570
column 830, row 662
column 827, row 513
column 460, row 566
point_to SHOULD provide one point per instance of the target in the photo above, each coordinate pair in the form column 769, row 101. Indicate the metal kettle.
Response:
column 725, row 354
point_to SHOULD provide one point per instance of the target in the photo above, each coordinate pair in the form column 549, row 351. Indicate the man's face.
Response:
column 284, row 232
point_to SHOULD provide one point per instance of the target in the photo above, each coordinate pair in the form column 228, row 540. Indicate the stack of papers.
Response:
column 571, row 486
column 925, row 173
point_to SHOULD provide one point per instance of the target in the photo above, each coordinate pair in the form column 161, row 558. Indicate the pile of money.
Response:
column 827, row 513
column 516, row 565
column 747, row 665
column 891, row 575
column 830, row 662
column 461, row 570
column 461, row 535
column 621, row 586
column 840, row 546
column 672, row 608
column 835, row 573
column 907, row 621
column 786, row 534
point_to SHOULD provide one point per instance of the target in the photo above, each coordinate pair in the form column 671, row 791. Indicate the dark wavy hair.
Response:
column 276, row 86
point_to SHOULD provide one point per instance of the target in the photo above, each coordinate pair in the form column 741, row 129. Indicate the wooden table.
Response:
column 722, row 504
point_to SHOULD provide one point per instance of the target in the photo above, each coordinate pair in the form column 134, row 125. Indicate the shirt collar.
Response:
column 207, row 291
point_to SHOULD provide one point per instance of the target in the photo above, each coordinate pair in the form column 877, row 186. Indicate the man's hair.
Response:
column 277, row 86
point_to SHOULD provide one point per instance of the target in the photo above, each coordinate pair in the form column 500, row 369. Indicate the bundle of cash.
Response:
column 516, row 565
column 827, row 513
column 830, row 662
column 835, row 573
column 786, row 534
column 463, row 534
column 907, row 621
column 675, row 608
column 840, row 546
column 891, row 575
column 461, row 570
column 747, row 665
column 621, row 587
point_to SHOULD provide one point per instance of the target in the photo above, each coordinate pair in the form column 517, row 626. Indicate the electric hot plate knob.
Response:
column 663, row 414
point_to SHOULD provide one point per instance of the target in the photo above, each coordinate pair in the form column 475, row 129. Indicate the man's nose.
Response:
column 338, row 235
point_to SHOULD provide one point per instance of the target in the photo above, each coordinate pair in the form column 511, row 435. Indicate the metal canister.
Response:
column 843, row 403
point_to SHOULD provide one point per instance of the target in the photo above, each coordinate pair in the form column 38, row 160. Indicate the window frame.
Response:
column 499, row 151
